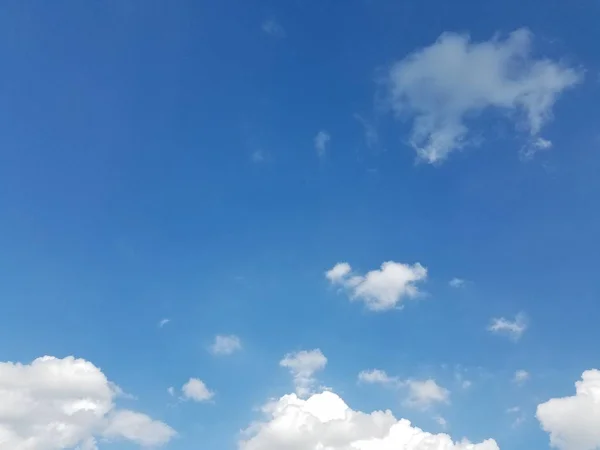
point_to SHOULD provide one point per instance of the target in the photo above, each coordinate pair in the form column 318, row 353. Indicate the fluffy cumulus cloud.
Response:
column 513, row 329
column 226, row 345
column 303, row 365
column 196, row 390
column 324, row 421
column 381, row 289
column 455, row 79
column 574, row 422
column 55, row 404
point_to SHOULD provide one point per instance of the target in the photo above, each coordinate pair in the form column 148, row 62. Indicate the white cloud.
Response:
column 324, row 421
column 322, row 140
column 273, row 28
column 303, row 365
column 171, row 391
column 377, row 376
column 425, row 393
column 56, row 404
column 512, row 329
column 455, row 79
column 457, row 282
column 163, row 322
column 196, row 390
column 226, row 345
column 573, row 422
column 520, row 377
column 382, row 289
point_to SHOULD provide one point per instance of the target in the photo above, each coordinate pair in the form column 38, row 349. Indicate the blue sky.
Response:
column 209, row 162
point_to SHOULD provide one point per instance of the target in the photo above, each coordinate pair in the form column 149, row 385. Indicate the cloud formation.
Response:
column 381, row 289
column 520, row 377
column 56, row 404
column 303, row 365
column 456, row 283
column 455, row 79
column 324, row 421
column 273, row 28
column 423, row 394
column 196, row 390
column 321, row 142
column 226, row 345
column 514, row 329
column 572, row 422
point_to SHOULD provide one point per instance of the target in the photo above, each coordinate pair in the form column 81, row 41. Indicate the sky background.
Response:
column 158, row 161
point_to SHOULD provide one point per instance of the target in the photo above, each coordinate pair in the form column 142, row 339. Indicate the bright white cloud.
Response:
column 423, row 394
column 324, row 421
column 196, row 390
column 321, row 142
column 56, row 404
column 520, row 377
column 226, row 345
column 303, row 365
column 377, row 376
column 455, row 79
column 574, row 422
column 273, row 28
column 514, row 329
column 381, row 289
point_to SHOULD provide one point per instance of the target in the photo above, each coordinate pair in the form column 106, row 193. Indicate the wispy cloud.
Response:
column 226, row 345
column 163, row 322
column 514, row 329
column 273, row 28
column 457, row 282
column 371, row 134
column 520, row 377
column 422, row 394
column 322, row 140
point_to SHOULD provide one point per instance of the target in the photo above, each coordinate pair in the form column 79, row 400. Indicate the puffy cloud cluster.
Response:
column 440, row 86
column 574, row 422
column 381, row 289
column 325, row 422
column 55, row 404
